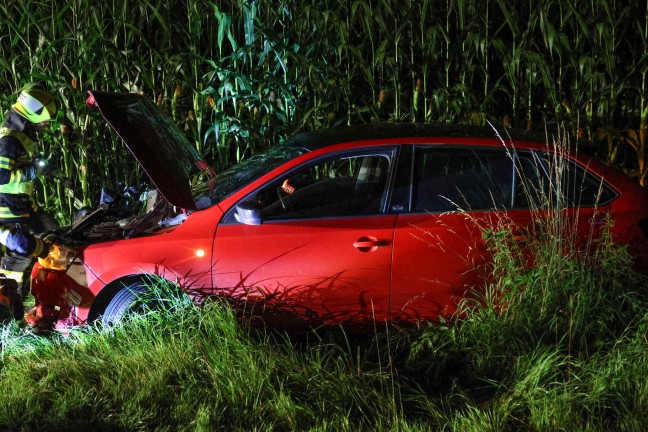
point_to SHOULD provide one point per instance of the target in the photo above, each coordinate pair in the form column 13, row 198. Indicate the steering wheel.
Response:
column 279, row 194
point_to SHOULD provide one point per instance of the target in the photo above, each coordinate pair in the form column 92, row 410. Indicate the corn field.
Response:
column 240, row 75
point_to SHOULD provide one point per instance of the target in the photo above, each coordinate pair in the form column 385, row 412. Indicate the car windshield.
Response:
column 229, row 181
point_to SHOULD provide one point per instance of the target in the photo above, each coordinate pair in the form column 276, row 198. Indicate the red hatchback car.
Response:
column 347, row 226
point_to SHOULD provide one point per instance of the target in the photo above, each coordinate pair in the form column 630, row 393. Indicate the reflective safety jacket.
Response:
column 17, row 172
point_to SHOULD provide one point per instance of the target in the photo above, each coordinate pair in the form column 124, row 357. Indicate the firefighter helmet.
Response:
column 35, row 105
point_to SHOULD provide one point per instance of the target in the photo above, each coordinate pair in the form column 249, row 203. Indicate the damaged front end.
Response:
column 60, row 281
column 178, row 178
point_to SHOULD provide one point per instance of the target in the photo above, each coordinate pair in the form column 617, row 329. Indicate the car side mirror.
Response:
column 248, row 213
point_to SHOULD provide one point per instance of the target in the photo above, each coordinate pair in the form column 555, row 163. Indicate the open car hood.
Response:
column 163, row 151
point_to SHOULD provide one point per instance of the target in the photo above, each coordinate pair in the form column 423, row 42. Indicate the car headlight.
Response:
column 60, row 258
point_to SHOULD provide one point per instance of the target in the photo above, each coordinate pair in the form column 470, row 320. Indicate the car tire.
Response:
column 127, row 302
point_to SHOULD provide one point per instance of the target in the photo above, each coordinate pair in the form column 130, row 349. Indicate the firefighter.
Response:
column 31, row 113
column 27, row 245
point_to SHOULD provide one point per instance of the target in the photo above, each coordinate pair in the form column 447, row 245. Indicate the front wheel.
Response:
column 128, row 301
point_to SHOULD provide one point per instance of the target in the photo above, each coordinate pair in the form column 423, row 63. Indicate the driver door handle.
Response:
column 367, row 244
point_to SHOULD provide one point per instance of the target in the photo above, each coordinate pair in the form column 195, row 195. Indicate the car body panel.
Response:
column 108, row 263
column 437, row 257
column 310, row 266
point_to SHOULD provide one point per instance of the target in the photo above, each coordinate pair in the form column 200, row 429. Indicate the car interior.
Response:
column 343, row 187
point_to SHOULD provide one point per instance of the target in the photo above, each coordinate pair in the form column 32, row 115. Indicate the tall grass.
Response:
column 567, row 351
column 557, row 346
column 555, row 340
column 548, row 343
column 190, row 369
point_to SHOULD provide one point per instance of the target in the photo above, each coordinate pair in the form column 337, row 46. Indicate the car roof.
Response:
column 317, row 139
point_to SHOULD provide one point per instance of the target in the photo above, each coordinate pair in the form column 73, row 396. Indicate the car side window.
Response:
column 557, row 181
column 347, row 185
column 532, row 184
column 447, row 179
column 584, row 189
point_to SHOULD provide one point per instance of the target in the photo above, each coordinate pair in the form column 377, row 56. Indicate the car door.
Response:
column 437, row 244
column 439, row 252
column 322, row 250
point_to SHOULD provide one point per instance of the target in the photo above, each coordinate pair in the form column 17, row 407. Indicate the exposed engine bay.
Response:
column 126, row 213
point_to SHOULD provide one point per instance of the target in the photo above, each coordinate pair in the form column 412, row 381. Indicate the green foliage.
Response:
column 561, row 344
column 556, row 346
column 239, row 75
column 189, row 368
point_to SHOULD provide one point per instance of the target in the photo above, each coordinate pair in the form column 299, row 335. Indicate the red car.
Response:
column 350, row 226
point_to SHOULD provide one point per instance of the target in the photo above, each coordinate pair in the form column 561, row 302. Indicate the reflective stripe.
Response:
column 15, row 185
column 17, row 276
column 7, row 163
column 17, row 188
column 28, row 144
column 5, row 213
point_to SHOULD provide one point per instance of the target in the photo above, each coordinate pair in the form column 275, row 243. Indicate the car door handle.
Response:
column 597, row 221
column 366, row 244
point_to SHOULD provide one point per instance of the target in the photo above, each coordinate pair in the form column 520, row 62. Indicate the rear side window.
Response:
column 559, row 182
column 450, row 179
column 447, row 179
column 585, row 189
